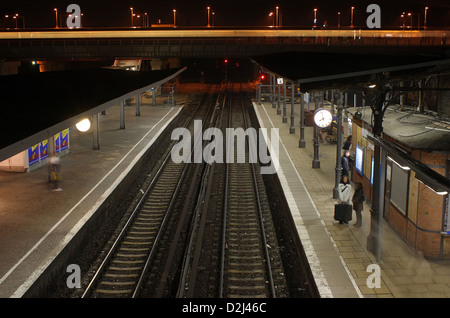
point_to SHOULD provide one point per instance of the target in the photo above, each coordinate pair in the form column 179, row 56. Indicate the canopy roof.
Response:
column 36, row 106
column 320, row 70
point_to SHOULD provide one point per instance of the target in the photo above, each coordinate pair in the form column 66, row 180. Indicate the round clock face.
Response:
column 323, row 118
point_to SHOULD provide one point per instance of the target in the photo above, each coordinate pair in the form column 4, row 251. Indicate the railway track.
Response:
column 200, row 230
column 229, row 256
column 247, row 264
column 123, row 271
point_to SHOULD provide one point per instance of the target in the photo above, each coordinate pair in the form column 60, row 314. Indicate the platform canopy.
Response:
column 36, row 106
column 322, row 70
column 343, row 71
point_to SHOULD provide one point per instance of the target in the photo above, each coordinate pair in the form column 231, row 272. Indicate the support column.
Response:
column 153, row 96
column 292, row 129
column 332, row 102
column 381, row 204
column 340, row 106
column 273, row 91
column 284, row 102
column 316, row 160
column 302, row 143
column 138, row 105
column 278, row 98
column 95, row 131
column 373, row 240
column 122, row 114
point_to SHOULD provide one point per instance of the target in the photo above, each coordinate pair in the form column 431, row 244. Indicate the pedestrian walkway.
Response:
column 336, row 250
column 36, row 224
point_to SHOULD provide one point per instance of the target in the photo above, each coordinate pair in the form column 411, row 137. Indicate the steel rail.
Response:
column 199, row 217
column 161, row 230
column 130, row 220
column 261, row 218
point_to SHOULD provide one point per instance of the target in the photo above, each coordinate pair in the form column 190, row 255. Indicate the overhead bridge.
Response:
column 209, row 42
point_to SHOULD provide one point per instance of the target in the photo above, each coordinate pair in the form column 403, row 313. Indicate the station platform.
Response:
column 36, row 223
column 338, row 253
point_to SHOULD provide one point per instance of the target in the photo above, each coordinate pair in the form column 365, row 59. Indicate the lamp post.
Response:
column 351, row 23
column 339, row 97
column 315, row 17
column 213, row 18
column 403, row 20
column 174, row 18
column 339, row 19
column 132, row 14
column 276, row 17
column 273, row 18
column 425, row 19
column 209, row 9
column 56, row 16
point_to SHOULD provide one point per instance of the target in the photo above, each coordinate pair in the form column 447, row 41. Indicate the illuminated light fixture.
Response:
column 406, row 168
column 83, row 125
column 372, row 86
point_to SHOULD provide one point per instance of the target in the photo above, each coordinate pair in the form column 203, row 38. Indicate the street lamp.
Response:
column 276, row 17
column 213, row 18
column 139, row 20
column 174, row 18
column 315, row 17
column 339, row 19
column 425, row 19
column 351, row 23
column 132, row 14
column 273, row 18
column 403, row 20
column 56, row 17
column 209, row 9
column 83, row 125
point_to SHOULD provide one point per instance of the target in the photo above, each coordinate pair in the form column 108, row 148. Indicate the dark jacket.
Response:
column 347, row 145
column 345, row 166
column 358, row 199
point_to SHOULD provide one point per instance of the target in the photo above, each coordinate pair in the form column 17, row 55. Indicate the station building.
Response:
column 415, row 210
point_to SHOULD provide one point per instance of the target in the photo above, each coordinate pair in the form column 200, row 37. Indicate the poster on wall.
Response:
column 359, row 159
column 64, row 139
column 43, row 149
column 33, row 155
column 57, row 138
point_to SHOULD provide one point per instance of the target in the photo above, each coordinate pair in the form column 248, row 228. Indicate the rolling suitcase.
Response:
column 343, row 212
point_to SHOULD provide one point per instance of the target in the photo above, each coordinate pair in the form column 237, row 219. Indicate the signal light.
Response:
column 262, row 77
column 226, row 60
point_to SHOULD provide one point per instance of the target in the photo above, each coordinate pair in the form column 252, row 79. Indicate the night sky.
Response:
column 100, row 13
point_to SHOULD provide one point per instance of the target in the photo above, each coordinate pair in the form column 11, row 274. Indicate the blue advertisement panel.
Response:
column 57, row 138
column 33, row 155
column 64, row 139
column 44, row 149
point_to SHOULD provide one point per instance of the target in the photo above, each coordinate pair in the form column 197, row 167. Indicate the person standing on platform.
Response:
column 358, row 200
column 345, row 163
column 55, row 172
column 345, row 194
column 347, row 143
